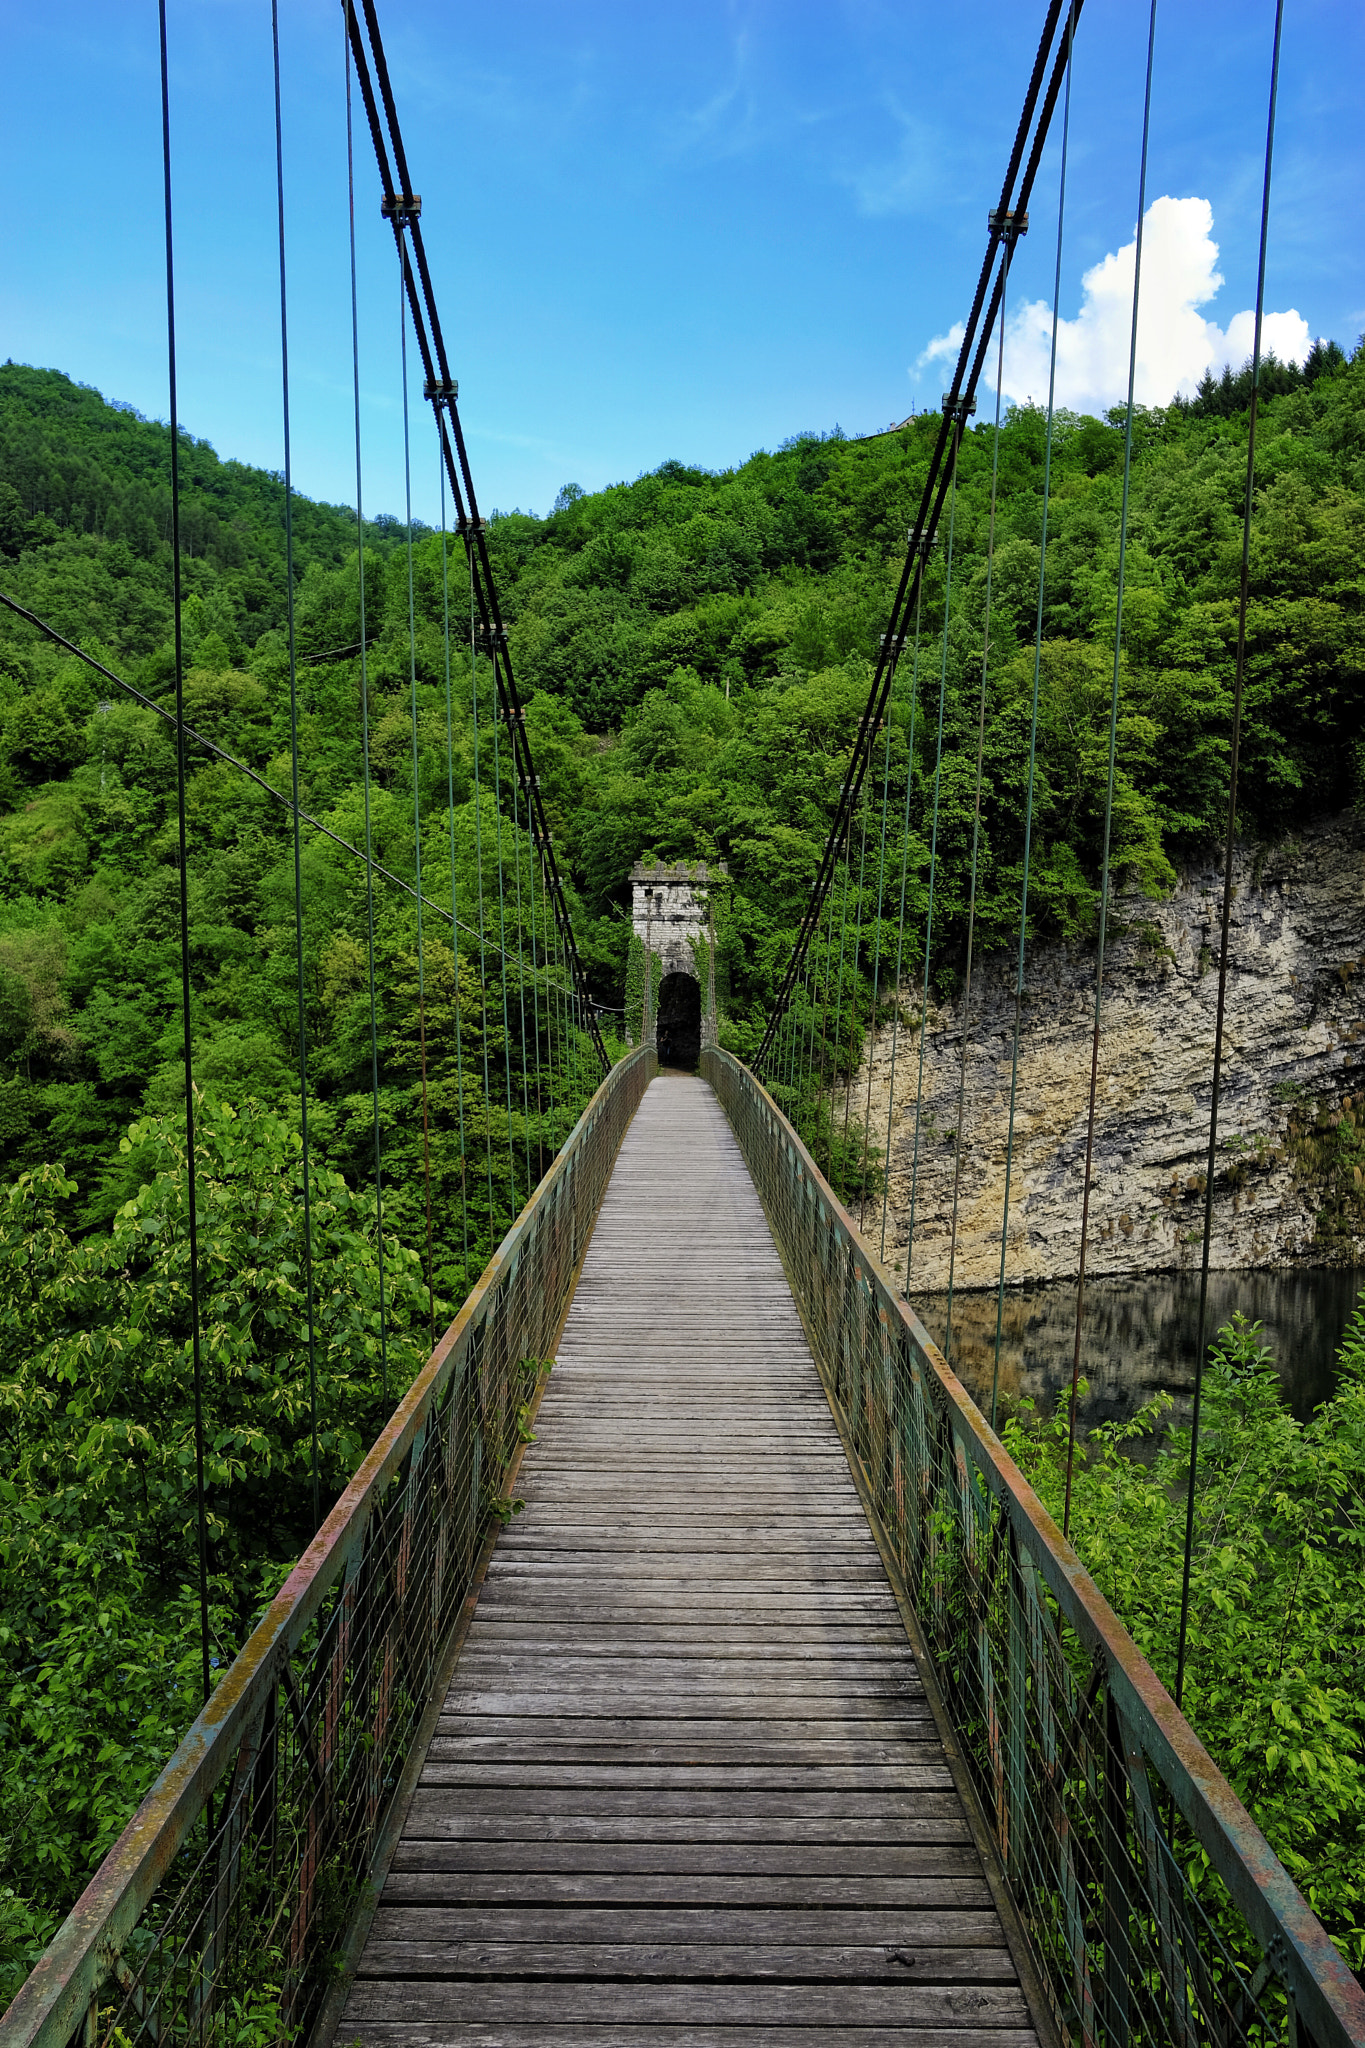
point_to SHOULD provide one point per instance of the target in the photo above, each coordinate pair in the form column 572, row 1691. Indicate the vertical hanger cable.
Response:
column 416, row 784
column 933, row 844
column 187, row 1040
column 1033, row 725
column 1229, row 844
column 294, row 771
column 1005, row 260
column 454, row 892
column 365, row 740
column 1109, row 786
column 921, row 543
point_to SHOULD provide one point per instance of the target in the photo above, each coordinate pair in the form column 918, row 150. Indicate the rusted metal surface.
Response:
column 351, row 1640
column 1078, row 1750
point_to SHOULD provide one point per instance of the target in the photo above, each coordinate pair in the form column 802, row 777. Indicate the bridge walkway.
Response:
column 686, row 1785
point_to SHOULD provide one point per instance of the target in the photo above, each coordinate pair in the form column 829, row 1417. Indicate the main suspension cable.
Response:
column 1013, row 205
column 402, row 207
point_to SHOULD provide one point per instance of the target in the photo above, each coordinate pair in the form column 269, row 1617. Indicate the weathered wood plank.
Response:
column 974, row 2007
column 686, row 1783
column 715, row 1962
column 856, row 1857
column 885, row 1769
column 547, row 2034
column 812, row 1702
column 505, row 1738
column 417, row 1887
column 431, row 1822
column 854, row 1809
column 689, row 1927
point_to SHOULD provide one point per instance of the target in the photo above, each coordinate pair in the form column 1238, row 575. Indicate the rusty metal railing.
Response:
column 1153, row 1908
column 223, row 1912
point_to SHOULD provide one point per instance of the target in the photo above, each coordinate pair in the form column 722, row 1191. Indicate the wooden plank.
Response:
column 855, row 1857
column 682, row 1888
column 974, row 2007
column 587, row 1771
column 750, row 1770
column 668, row 1739
column 856, row 1809
column 668, row 1671
column 449, row 2033
column 431, row 1821
column 685, row 1783
column 903, row 1964
column 689, row 1926
column 813, row 1702
column 596, row 1634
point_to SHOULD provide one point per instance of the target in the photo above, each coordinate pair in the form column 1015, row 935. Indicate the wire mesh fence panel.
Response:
column 221, row 1915
column 1154, row 1908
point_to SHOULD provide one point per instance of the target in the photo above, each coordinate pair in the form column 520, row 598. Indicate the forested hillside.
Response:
column 695, row 649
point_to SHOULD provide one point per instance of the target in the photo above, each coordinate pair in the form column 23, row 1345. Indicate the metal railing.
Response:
column 1152, row 1906
column 224, row 1911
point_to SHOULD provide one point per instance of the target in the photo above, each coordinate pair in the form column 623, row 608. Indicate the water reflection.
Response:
column 1141, row 1335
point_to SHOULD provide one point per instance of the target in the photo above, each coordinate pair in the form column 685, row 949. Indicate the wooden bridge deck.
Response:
column 686, row 1784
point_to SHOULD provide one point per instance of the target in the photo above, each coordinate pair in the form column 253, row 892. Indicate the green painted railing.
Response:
column 227, row 1909
column 1095, row 1793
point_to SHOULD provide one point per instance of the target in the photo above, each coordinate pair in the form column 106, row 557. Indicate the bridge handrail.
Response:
column 1077, row 1750
column 251, row 1893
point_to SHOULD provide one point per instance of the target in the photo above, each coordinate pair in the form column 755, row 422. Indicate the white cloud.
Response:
column 943, row 348
column 1176, row 342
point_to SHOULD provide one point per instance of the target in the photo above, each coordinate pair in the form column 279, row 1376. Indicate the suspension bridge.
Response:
column 727, row 1683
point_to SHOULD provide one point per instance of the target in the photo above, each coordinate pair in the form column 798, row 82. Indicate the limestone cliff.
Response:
column 1288, row 1186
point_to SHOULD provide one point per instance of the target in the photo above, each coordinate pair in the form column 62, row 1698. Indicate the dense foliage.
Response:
column 99, row 1617
column 694, row 649
column 1275, row 1679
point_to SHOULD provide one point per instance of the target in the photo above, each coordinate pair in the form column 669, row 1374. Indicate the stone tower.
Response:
column 671, row 917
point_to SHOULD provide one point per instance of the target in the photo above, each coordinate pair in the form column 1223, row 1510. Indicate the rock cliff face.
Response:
column 1291, row 1154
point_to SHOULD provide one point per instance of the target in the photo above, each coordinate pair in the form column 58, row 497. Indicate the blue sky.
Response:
column 656, row 230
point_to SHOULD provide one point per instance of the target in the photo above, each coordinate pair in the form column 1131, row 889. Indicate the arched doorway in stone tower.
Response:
column 679, row 1021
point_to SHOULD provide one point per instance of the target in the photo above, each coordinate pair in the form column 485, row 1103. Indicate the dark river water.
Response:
column 1141, row 1335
